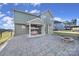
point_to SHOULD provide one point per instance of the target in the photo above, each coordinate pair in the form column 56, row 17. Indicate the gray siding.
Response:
column 46, row 17
column 59, row 26
column 22, row 18
column 19, row 30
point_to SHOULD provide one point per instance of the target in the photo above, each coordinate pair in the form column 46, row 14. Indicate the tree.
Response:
column 74, row 21
column 69, row 24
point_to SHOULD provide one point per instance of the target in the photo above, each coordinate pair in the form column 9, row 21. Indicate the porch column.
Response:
column 43, row 29
column 29, row 29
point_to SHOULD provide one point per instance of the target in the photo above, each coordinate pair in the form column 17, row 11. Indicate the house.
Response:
column 58, row 25
column 75, row 28
column 32, row 25
column 70, row 24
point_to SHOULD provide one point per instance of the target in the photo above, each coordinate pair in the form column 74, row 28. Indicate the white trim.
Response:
column 35, row 19
column 29, row 29
column 42, row 29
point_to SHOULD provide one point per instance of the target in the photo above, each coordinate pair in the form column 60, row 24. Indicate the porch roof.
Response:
column 35, row 21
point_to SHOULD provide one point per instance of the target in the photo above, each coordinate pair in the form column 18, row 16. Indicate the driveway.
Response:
column 48, row 45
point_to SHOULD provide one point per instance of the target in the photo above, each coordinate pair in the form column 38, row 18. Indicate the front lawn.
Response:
column 66, row 33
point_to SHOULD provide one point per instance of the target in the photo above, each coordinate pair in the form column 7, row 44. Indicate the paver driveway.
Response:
column 48, row 45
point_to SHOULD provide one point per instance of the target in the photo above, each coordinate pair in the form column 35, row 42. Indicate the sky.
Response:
column 61, row 11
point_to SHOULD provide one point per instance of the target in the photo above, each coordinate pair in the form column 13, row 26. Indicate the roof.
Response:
column 55, row 21
column 33, row 14
column 46, row 12
column 30, row 18
column 75, row 26
column 35, row 21
column 22, row 19
column 26, row 13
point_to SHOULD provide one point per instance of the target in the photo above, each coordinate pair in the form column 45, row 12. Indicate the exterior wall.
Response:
column 43, row 29
column 50, row 29
column 48, row 21
column 22, row 18
column 21, row 29
column 59, row 26
column 77, row 22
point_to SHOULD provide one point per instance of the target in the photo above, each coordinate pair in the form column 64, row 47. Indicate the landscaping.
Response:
column 67, row 33
column 5, row 36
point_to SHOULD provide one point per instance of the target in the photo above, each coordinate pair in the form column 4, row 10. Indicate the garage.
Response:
column 21, row 29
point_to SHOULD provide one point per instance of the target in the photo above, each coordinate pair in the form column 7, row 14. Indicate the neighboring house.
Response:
column 70, row 24
column 77, row 22
column 32, row 25
column 58, row 25
column 75, row 28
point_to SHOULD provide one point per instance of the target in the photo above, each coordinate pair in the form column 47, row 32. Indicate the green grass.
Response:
column 66, row 33
column 5, row 36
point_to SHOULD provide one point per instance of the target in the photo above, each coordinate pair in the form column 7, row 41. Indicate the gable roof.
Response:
column 22, row 17
column 36, row 21
column 47, row 11
column 25, row 16
column 25, row 13
column 56, row 21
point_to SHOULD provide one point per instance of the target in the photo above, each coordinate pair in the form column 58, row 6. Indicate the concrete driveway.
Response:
column 48, row 45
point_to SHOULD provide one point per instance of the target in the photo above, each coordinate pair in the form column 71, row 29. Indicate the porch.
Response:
column 36, row 27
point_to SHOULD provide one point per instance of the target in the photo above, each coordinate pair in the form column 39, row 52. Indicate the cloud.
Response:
column 1, row 5
column 35, row 11
column 35, row 4
column 7, row 26
column 15, row 4
column 1, row 14
column 7, row 19
column 26, row 10
column 5, row 3
column 7, row 22
column 59, row 19
column 8, row 12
